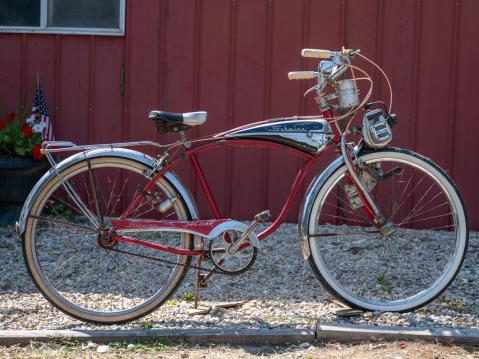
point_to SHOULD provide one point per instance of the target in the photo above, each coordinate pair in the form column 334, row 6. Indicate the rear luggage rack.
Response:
column 65, row 146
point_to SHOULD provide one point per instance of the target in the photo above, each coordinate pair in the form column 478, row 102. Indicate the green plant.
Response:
column 388, row 288
column 381, row 278
column 146, row 325
column 187, row 296
column 140, row 346
column 63, row 210
column 455, row 305
column 19, row 138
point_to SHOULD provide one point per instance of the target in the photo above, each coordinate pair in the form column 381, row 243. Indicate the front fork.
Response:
column 385, row 227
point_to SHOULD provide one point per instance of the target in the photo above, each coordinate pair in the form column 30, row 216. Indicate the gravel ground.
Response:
column 280, row 290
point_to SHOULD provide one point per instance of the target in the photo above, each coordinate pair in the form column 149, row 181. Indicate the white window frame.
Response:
column 45, row 29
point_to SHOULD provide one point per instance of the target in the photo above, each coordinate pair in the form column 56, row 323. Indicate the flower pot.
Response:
column 18, row 176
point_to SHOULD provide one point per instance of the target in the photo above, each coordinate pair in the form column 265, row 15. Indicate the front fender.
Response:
column 104, row 152
column 307, row 205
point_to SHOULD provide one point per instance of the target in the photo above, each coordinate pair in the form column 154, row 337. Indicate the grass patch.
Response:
column 381, row 279
column 388, row 288
column 66, row 342
column 188, row 296
column 455, row 305
column 73, row 348
column 146, row 325
column 171, row 303
column 141, row 346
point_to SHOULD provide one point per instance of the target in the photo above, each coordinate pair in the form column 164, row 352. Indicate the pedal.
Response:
column 263, row 216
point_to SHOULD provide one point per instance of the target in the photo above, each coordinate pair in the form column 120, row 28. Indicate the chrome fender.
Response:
column 104, row 152
column 307, row 205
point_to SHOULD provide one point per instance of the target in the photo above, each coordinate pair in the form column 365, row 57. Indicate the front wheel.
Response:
column 402, row 271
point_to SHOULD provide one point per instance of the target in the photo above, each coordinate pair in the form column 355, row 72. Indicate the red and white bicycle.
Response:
column 109, row 232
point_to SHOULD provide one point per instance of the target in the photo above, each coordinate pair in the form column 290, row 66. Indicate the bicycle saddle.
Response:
column 174, row 122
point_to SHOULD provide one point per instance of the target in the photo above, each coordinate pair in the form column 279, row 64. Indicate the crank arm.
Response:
column 248, row 233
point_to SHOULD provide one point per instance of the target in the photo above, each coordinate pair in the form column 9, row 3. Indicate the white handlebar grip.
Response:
column 301, row 75
column 316, row 53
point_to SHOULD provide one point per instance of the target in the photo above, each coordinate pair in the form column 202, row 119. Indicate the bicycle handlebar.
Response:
column 320, row 54
column 302, row 75
column 317, row 53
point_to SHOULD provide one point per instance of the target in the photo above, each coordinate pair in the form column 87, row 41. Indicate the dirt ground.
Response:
column 396, row 350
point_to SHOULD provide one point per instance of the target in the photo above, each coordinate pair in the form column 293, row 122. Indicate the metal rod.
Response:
column 71, row 192
column 158, row 247
column 320, row 235
column 64, row 223
column 70, row 146
column 94, row 189
column 360, row 187
column 289, row 201
column 204, row 185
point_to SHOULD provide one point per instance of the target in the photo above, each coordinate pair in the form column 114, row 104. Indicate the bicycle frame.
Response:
column 191, row 154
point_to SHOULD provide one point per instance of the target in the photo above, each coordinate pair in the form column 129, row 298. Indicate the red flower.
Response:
column 27, row 130
column 2, row 124
column 10, row 117
column 36, row 152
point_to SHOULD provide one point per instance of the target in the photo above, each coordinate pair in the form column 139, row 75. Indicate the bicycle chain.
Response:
column 213, row 270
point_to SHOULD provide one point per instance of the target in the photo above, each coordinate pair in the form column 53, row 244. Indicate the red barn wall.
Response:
column 231, row 58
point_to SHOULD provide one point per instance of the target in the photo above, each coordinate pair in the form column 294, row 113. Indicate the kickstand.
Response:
column 199, row 282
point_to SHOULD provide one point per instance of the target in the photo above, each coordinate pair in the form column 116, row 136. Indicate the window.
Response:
column 105, row 17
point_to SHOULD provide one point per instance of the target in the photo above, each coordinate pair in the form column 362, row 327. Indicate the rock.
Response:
column 304, row 345
column 89, row 345
column 102, row 348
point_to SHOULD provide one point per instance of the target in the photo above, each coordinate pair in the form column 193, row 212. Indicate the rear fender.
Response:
column 104, row 152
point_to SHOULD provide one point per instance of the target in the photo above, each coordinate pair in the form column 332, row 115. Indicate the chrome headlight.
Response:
column 376, row 130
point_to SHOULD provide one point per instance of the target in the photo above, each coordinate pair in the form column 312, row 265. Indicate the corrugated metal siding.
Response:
column 231, row 58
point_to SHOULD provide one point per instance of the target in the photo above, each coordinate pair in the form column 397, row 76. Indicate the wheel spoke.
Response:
column 68, row 256
column 407, row 266
column 345, row 234
column 63, row 223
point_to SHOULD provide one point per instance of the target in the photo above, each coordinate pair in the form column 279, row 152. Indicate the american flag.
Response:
column 40, row 115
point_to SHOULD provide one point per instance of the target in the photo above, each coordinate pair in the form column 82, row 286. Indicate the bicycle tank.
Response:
column 309, row 135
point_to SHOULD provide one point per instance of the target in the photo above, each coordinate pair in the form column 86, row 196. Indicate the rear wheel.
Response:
column 83, row 274
column 402, row 271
